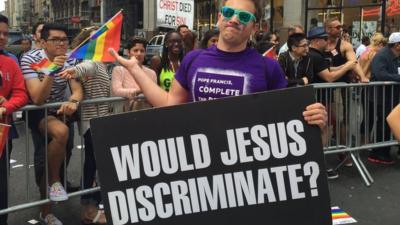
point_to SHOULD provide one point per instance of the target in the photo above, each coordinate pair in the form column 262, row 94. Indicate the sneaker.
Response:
column 347, row 162
column 332, row 174
column 380, row 159
column 50, row 219
column 57, row 192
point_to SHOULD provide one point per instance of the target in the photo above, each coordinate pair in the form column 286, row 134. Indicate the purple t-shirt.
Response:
column 216, row 74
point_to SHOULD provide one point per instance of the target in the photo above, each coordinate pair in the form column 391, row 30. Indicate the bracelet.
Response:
column 75, row 101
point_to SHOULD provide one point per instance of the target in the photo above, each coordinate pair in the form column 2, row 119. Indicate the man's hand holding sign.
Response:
column 252, row 159
column 239, row 163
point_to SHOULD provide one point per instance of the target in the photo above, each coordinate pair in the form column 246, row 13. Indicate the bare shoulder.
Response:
column 346, row 46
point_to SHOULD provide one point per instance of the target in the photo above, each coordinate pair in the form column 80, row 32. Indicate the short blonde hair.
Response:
column 377, row 39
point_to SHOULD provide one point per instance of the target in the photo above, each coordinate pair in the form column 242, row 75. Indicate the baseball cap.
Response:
column 317, row 32
column 394, row 38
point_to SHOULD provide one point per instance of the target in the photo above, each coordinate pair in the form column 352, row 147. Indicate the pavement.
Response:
column 377, row 204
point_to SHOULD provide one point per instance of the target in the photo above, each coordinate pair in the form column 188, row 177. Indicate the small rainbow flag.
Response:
column 341, row 217
column 45, row 66
column 271, row 53
column 3, row 137
column 96, row 46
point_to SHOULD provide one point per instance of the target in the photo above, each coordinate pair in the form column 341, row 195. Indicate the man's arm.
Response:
column 68, row 108
column 38, row 90
column 155, row 95
column 333, row 74
column 393, row 120
column 351, row 56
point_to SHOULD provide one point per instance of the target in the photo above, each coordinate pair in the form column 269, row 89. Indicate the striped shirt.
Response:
column 96, row 84
column 57, row 93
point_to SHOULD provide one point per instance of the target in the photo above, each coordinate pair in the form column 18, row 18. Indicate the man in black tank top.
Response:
column 338, row 52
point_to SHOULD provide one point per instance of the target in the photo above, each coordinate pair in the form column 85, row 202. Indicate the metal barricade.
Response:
column 354, row 112
column 356, row 115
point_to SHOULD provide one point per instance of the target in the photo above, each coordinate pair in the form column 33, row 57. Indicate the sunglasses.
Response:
column 243, row 16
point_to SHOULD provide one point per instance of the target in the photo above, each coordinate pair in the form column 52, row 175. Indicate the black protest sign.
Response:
column 244, row 160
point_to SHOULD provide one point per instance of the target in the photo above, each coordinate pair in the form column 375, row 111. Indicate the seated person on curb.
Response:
column 296, row 62
column 48, row 89
column 229, row 59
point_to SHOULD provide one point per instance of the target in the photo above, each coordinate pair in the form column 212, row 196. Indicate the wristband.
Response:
column 75, row 101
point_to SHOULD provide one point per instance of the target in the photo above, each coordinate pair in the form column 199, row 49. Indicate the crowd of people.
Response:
column 320, row 56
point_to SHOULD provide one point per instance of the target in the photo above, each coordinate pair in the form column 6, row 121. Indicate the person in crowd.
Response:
column 123, row 84
column 324, row 73
column 393, row 119
column 267, row 45
column 42, row 89
column 385, row 67
column 378, row 41
column 295, row 29
column 12, row 97
column 189, row 42
column 363, row 46
column 296, row 63
column 26, row 45
column 338, row 52
column 210, row 38
column 95, row 82
column 183, row 30
column 170, row 61
column 36, row 31
column 228, row 60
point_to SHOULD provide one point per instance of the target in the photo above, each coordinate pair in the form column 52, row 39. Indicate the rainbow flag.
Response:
column 3, row 137
column 341, row 217
column 270, row 53
column 45, row 66
column 96, row 46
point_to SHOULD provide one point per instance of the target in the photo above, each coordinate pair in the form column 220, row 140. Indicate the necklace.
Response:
column 172, row 64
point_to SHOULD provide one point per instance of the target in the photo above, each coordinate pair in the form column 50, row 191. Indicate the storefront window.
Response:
column 359, row 17
column 206, row 15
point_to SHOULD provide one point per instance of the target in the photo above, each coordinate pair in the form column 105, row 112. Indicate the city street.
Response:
column 378, row 204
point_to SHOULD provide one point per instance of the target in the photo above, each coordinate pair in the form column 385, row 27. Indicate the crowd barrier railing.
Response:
column 355, row 114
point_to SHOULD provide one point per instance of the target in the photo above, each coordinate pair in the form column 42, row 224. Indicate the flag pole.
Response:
column 84, row 41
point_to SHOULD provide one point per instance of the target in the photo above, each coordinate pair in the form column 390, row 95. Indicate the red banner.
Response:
column 3, row 136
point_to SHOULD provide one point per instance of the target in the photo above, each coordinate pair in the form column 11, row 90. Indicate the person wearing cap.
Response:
column 322, row 72
column 296, row 63
column 385, row 66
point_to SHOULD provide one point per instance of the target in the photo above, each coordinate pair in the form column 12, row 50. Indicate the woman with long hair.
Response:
column 170, row 61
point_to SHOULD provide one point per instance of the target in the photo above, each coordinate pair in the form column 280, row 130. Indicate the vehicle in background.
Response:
column 154, row 47
column 14, row 42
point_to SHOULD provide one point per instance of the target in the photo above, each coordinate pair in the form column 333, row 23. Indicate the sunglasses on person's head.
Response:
column 243, row 16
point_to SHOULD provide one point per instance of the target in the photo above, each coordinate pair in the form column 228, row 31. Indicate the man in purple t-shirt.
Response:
column 228, row 69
